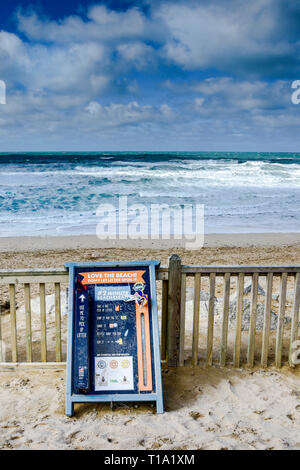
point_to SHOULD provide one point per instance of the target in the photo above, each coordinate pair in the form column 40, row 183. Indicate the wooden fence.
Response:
column 41, row 339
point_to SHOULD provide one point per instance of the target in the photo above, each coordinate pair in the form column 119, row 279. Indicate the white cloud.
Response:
column 102, row 25
column 14, row 60
column 232, row 95
column 138, row 54
column 130, row 23
column 77, row 56
column 230, row 36
column 78, row 78
column 120, row 114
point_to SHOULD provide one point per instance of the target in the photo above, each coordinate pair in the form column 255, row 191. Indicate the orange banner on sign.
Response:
column 112, row 277
column 143, row 354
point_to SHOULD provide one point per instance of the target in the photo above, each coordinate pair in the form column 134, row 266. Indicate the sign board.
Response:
column 113, row 338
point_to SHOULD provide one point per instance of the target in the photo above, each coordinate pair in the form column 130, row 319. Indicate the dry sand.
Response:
column 48, row 252
column 205, row 408
column 236, row 240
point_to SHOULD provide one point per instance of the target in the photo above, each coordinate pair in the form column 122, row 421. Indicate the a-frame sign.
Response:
column 113, row 337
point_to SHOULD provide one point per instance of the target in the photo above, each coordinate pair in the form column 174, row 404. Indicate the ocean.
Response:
column 58, row 193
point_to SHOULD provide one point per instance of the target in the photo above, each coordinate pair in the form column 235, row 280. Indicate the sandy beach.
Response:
column 215, row 408
column 205, row 409
column 221, row 240
column 254, row 248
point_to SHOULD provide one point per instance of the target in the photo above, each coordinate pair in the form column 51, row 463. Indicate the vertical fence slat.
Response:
column 239, row 316
column 225, row 320
column 174, row 291
column 58, row 322
column 164, row 320
column 2, row 358
column 210, row 323
column 28, row 323
column 280, row 320
column 252, row 326
column 182, row 319
column 267, row 319
column 43, row 322
column 13, row 322
column 197, row 291
column 295, row 317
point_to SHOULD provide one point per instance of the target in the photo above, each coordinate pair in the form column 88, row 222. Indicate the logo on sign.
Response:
column 113, row 364
column 101, row 364
column 125, row 364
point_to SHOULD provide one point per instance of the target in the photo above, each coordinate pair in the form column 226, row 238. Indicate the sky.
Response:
column 149, row 75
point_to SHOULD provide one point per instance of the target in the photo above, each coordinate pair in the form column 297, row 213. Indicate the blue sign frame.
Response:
column 71, row 395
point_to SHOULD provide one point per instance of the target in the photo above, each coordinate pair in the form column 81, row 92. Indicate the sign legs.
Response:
column 69, row 407
column 159, row 405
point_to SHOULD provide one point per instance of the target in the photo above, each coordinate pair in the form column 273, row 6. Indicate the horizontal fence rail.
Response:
column 225, row 315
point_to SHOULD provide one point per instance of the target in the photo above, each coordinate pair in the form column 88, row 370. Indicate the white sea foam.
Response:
column 62, row 195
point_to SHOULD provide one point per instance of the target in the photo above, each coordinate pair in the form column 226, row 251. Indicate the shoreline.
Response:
column 75, row 242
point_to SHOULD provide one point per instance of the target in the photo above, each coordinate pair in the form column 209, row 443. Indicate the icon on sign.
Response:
column 101, row 364
column 125, row 364
column 113, row 364
column 117, row 308
column 103, row 380
column 82, row 298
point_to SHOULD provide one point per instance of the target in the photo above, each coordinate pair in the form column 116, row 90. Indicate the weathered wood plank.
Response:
column 295, row 318
column 252, row 327
column 164, row 320
column 267, row 319
column 161, row 276
column 162, row 271
column 280, row 320
column 13, row 322
column 195, row 345
column 30, row 271
column 182, row 319
column 41, row 275
column 28, row 323
column 224, row 336
column 219, row 270
column 12, row 366
column 4, row 280
column 174, row 291
column 210, row 323
column 43, row 322
column 239, row 316
column 57, row 322
column 30, row 276
column 2, row 352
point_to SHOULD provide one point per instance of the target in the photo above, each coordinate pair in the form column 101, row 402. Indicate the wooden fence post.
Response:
column 164, row 320
column 174, row 294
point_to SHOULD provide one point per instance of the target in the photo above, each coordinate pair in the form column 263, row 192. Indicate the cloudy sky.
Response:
column 159, row 75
